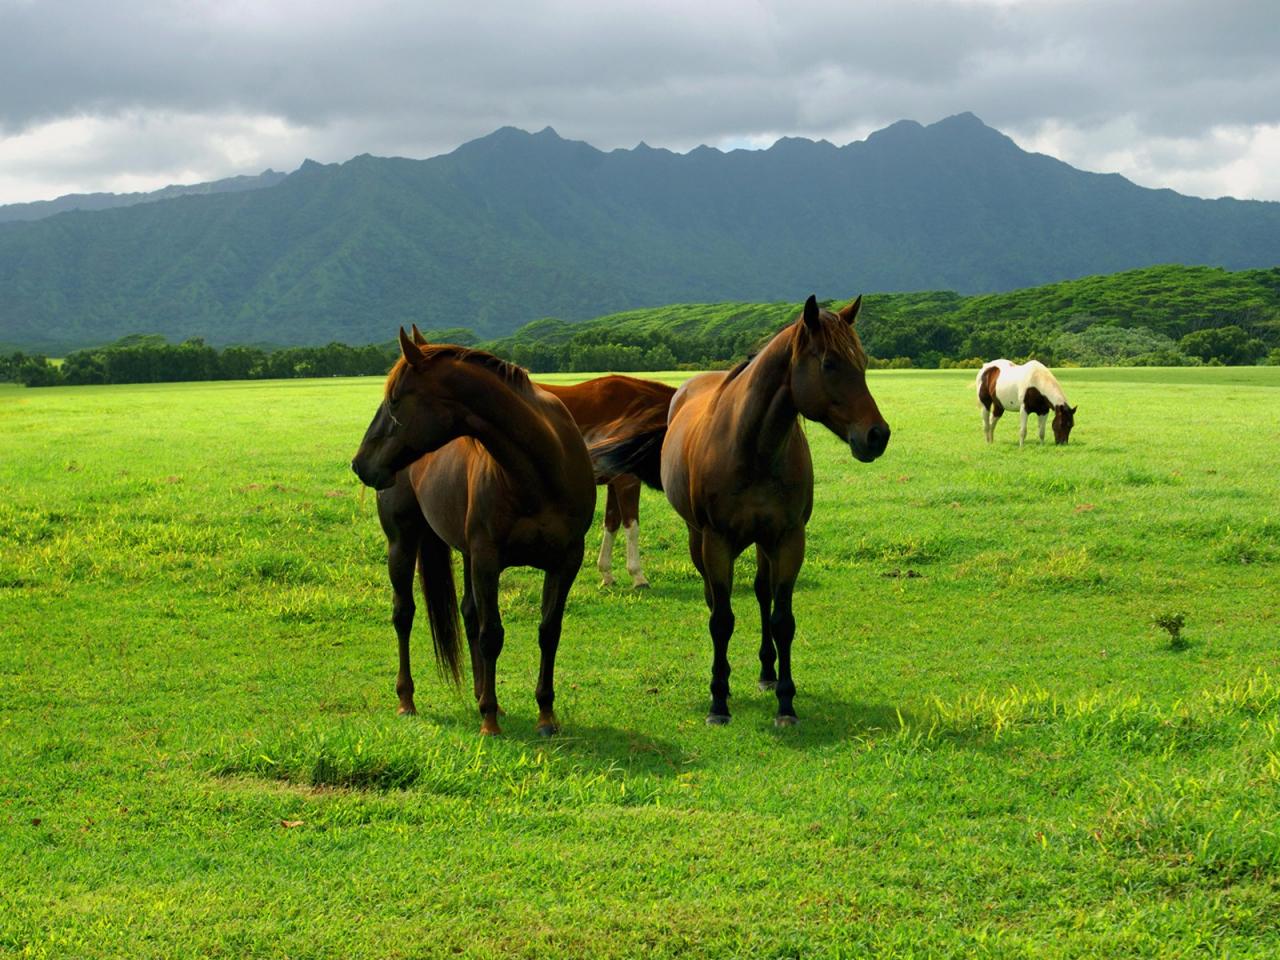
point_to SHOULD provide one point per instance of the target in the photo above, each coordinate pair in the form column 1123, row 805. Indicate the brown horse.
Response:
column 602, row 408
column 467, row 454
column 735, row 464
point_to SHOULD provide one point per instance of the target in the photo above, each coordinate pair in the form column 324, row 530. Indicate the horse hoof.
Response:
column 489, row 727
column 409, row 711
column 548, row 729
column 642, row 585
column 717, row 719
column 768, row 684
column 782, row 720
column 607, row 582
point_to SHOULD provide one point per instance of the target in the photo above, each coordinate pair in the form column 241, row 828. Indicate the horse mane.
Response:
column 1050, row 382
column 835, row 336
column 516, row 376
column 738, row 367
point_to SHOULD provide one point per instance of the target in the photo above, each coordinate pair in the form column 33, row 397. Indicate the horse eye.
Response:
column 829, row 364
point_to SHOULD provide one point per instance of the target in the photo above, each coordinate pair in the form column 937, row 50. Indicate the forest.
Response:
column 1157, row 316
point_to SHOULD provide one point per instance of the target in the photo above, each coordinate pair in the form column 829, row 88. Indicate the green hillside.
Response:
column 1160, row 315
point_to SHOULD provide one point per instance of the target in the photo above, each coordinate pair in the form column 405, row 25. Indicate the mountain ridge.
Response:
column 514, row 226
column 91, row 202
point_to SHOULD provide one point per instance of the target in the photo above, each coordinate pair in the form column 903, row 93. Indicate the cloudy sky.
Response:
column 133, row 95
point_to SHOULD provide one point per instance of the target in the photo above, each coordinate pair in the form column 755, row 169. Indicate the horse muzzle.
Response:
column 378, row 479
column 868, row 446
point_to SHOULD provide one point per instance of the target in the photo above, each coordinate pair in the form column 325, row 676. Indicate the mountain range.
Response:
column 39, row 209
column 517, row 226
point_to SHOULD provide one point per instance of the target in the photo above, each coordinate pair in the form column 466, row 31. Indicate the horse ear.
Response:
column 418, row 338
column 811, row 315
column 1073, row 410
column 409, row 349
column 850, row 313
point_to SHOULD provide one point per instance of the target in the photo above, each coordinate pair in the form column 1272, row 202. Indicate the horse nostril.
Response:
column 878, row 437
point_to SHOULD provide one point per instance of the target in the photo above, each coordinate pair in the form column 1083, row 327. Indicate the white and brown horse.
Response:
column 603, row 408
column 1029, row 388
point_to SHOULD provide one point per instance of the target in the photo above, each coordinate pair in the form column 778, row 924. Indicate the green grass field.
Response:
column 1000, row 753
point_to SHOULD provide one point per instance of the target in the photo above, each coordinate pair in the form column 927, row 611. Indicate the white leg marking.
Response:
column 986, row 424
column 633, row 555
column 1022, row 428
column 1043, row 418
column 605, row 563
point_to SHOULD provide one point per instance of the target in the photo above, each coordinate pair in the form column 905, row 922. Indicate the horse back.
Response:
column 604, row 402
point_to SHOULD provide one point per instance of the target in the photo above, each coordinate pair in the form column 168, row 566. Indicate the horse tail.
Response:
column 435, row 570
column 639, row 455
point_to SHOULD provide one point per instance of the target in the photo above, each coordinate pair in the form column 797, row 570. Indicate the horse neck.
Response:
column 1047, row 384
column 764, row 412
column 513, row 431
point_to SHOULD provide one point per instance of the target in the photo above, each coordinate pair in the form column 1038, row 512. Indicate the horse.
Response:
column 735, row 465
column 1028, row 387
column 601, row 407
column 467, row 454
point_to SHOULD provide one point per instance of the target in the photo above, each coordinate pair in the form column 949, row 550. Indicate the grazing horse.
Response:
column 467, row 454
column 602, row 407
column 1028, row 387
column 735, row 465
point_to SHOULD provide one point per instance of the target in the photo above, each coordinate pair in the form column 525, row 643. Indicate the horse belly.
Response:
column 542, row 541
column 1007, row 393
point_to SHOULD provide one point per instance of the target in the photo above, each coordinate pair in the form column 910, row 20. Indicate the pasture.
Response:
column 999, row 754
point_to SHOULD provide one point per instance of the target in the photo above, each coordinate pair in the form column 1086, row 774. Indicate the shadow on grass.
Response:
column 827, row 719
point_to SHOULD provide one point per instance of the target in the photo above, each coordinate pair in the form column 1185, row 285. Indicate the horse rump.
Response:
column 639, row 455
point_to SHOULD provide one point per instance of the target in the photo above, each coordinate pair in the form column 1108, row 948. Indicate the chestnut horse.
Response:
column 467, row 454
column 1028, row 388
column 735, row 465
column 602, row 407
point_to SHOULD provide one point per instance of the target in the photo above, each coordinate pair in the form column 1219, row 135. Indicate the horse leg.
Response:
column 1043, row 418
column 1022, row 428
column 717, row 573
column 784, row 567
column 471, row 623
column 764, row 597
column 628, row 491
column 484, row 583
column 612, row 517
column 555, row 590
column 695, row 554
column 403, row 523
column 987, row 426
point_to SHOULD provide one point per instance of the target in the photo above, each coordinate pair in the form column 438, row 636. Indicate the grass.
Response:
column 1000, row 753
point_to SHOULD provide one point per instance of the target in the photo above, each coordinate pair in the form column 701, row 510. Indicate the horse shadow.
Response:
column 600, row 747
column 827, row 719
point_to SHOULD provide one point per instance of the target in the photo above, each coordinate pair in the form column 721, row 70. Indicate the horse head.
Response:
column 829, row 379
column 413, row 419
column 1064, row 418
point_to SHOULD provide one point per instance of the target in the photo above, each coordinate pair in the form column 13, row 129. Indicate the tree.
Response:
column 1229, row 345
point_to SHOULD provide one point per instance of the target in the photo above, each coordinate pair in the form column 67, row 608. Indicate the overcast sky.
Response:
column 134, row 95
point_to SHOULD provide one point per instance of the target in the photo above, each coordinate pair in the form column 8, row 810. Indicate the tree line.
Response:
column 1158, row 316
column 152, row 359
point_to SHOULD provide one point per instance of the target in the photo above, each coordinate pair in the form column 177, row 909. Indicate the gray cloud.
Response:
column 169, row 85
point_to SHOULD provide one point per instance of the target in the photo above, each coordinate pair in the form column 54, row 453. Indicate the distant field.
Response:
column 999, row 752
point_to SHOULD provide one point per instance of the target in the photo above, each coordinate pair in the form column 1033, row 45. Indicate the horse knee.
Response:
column 721, row 623
column 402, row 611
